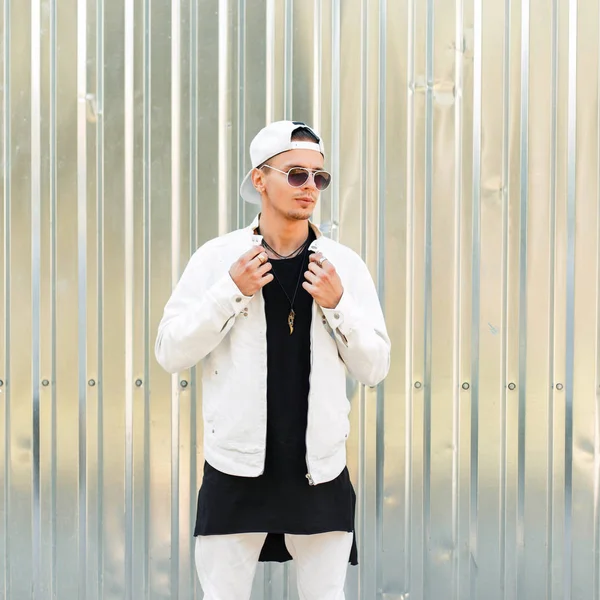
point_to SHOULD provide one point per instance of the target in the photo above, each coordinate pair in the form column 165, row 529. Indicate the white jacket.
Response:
column 208, row 319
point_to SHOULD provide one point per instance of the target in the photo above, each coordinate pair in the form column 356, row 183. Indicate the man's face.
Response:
column 294, row 203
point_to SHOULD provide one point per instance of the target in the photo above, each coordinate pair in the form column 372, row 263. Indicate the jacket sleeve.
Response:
column 197, row 316
column 360, row 331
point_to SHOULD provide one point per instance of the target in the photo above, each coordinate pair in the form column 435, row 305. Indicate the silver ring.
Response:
column 321, row 261
column 262, row 259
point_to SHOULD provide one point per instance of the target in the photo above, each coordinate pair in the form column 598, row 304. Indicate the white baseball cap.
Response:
column 270, row 141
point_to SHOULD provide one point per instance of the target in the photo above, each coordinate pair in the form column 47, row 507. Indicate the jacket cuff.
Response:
column 340, row 317
column 228, row 296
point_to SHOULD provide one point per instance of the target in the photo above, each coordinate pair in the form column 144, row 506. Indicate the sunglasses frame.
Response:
column 310, row 172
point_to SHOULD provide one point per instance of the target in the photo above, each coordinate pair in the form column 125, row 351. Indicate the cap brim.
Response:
column 247, row 190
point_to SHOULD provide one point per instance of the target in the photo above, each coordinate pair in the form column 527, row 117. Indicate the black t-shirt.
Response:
column 280, row 500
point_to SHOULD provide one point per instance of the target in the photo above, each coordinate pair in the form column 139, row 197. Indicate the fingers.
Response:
column 318, row 258
column 254, row 263
column 264, row 269
column 251, row 271
column 262, row 259
column 266, row 279
column 252, row 253
column 310, row 276
column 257, row 275
column 316, row 269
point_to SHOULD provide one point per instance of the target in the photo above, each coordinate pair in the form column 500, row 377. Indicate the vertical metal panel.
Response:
column 142, row 542
column 97, row 566
column 175, row 201
column 505, row 187
column 36, row 207
column 51, row 585
column 128, row 197
column 224, row 116
column 550, row 552
column 382, row 264
column 5, row 323
column 596, row 567
column 523, row 268
column 475, row 301
column 459, row 47
column 161, row 426
column 82, row 289
column 427, row 285
column 463, row 138
column 538, row 292
column 20, row 434
column 596, row 533
column 568, row 582
column 405, row 586
column 584, row 235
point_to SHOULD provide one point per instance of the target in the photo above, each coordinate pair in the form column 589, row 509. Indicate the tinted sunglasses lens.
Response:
column 322, row 180
column 297, row 177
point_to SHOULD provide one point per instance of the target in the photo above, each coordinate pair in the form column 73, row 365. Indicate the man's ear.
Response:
column 258, row 180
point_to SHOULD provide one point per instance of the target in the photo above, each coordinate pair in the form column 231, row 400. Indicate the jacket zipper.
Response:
column 262, row 312
column 314, row 248
column 312, row 326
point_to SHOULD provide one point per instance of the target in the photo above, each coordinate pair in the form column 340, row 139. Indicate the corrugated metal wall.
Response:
column 463, row 135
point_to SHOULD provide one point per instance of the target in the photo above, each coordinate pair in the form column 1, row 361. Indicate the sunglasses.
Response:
column 298, row 176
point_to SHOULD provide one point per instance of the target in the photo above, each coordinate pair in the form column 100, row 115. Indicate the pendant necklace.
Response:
column 302, row 249
column 292, row 313
column 295, row 253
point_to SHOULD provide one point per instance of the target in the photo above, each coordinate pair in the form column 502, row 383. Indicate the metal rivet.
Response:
column 465, row 386
column 91, row 383
column 45, row 383
column 216, row 372
column 139, row 382
column 238, row 299
column 184, row 383
column 336, row 315
column 1, row 383
column 559, row 386
column 511, row 386
column 418, row 385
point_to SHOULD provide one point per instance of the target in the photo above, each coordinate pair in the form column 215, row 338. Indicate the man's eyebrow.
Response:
column 290, row 165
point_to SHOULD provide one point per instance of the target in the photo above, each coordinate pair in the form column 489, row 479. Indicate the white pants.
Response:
column 226, row 564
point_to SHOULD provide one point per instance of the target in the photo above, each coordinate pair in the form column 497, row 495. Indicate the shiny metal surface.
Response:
column 464, row 138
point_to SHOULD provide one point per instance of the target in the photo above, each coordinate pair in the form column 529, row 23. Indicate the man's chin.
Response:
column 301, row 215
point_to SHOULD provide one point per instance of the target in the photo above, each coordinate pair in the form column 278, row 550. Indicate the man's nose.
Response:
column 310, row 182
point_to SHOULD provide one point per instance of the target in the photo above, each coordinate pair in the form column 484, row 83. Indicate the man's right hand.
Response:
column 251, row 271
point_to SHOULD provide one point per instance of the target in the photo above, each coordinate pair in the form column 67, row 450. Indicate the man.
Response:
column 276, row 314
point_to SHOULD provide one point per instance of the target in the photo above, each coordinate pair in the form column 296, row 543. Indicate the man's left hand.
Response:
column 322, row 282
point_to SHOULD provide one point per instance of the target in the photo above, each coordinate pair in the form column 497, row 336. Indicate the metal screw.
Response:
column 465, row 386
column 418, row 385
column 91, row 383
column 184, row 383
column 45, row 383
column 559, row 386
column 511, row 386
column 138, row 382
